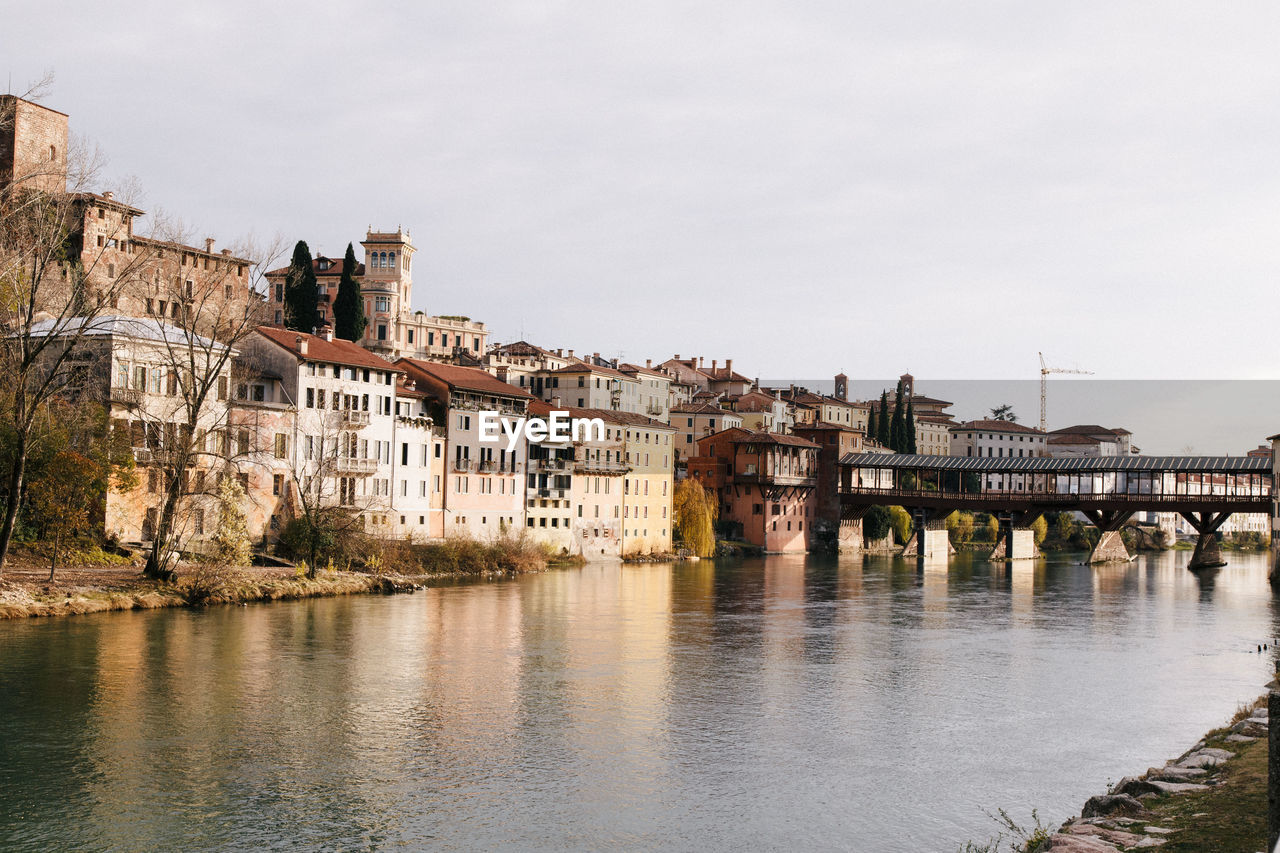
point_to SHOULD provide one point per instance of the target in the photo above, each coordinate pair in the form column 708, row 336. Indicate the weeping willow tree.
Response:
column 695, row 512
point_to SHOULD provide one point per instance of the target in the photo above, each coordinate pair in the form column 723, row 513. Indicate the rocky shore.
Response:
column 1213, row 797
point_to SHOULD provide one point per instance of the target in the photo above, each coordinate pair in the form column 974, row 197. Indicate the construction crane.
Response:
column 1045, row 370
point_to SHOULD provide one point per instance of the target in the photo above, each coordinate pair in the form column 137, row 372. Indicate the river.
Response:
column 776, row 703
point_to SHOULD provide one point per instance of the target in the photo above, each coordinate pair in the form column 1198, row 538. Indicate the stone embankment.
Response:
column 1168, row 805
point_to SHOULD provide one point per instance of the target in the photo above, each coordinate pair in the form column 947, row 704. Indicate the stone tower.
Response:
column 387, row 286
column 33, row 145
column 842, row 387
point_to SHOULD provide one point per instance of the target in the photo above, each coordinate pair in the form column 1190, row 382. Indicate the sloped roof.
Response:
column 1083, row 429
column 702, row 409
column 462, row 378
column 334, row 270
column 995, row 426
column 336, row 351
column 138, row 328
column 762, row 437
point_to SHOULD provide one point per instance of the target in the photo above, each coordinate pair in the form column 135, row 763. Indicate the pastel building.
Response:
column 766, row 484
column 483, row 481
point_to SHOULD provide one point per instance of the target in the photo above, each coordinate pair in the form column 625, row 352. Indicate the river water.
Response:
column 777, row 703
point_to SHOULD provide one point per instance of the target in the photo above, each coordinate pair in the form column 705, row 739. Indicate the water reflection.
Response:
column 858, row 702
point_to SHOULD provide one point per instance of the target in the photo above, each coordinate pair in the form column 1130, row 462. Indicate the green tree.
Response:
column 882, row 425
column 64, row 499
column 301, row 293
column 900, row 520
column 1040, row 529
column 898, row 426
column 960, row 527
column 876, row 524
column 349, row 321
column 872, row 429
column 911, row 427
column 1004, row 413
column 694, row 511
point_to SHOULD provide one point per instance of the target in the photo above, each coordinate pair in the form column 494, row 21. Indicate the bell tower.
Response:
column 842, row 387
column 387, row 286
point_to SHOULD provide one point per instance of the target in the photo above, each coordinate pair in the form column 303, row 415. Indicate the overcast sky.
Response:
column 804, row 187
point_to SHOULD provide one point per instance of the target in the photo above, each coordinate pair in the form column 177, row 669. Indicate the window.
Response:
column 382, row 331
column 277, row 484
column 282, row 446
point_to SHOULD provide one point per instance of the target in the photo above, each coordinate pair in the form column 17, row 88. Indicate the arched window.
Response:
column 53, row 153
column 382, row 260
column 391, row 260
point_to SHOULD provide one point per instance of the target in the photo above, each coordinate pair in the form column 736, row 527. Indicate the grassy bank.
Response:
column 97, row 583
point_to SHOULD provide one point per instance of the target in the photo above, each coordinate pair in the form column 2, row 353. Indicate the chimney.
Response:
column 208, row 245
column 648, row 362
column 570, row 353
column 301, row 344
column 677, row 358
column 555, row 401
column 596, row 356
column 728, row 364
column 713, row 364
column 327, row 332
column 699, row 361
column 108, row 195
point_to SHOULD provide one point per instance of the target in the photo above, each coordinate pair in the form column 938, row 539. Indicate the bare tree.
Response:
column 55, row 287
column 199, row 341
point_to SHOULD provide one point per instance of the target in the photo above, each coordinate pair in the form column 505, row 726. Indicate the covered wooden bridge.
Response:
column 1205, row 490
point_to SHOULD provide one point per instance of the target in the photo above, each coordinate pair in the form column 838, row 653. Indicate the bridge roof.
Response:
column 1068, row 465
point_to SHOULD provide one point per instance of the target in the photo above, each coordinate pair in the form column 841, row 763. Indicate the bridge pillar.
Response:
column 1110, row 547
column 1208, row 553
column 849, row 536
column 930, row 538
column 1015, row 540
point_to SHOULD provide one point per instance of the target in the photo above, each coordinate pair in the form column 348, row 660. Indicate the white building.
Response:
column 997, row 439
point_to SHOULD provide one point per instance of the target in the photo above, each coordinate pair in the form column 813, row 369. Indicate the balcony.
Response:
column 488, row 466
column 347, row 465
column 462, row 466
column 595, row 466
column 549, row 464
column 655, row 408
column 130, row 397
column 355, row 418
column 547, row 493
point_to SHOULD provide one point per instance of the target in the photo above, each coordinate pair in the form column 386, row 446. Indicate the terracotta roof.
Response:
column 1083, row 429
column 583, row 367
column 819, row 426
column 629, row 368
column 107, row 202
column 523, row 348
column 464, row 378
column 936, row 419
column 722, row 374
column 774, row 438
column 541, row 409
column 929, row 401
column 995, row 426
column 334, row 270
column 701, row 409
column 403, row 390
column 1069, row 438
column 336, row 351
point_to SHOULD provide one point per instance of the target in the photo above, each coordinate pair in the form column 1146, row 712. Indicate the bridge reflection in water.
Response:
column 1205, row 490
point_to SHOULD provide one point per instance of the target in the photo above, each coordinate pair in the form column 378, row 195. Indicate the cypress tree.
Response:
column 301, row 294
column 349, row 321
column 911, row 427
column 897, row 427
column 882, row 424
column 872, row 431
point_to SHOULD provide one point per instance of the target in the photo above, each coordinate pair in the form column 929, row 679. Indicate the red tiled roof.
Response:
column 701, row 409
column 334, row 270
column 542, row 409
column 774, row 438
column 1083, row 429
column 583, row 367
column 1069, row 438
column 336, row 351
column 465, row 378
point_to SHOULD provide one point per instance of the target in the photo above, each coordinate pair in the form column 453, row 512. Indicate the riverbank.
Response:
column 26, row 590
column 1212, row 797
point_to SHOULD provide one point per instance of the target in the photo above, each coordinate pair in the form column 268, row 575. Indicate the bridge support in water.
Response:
column 930, row 538
column 1015, row 540
column 849, row 536
column 1110, row 547
column 1208, row 553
